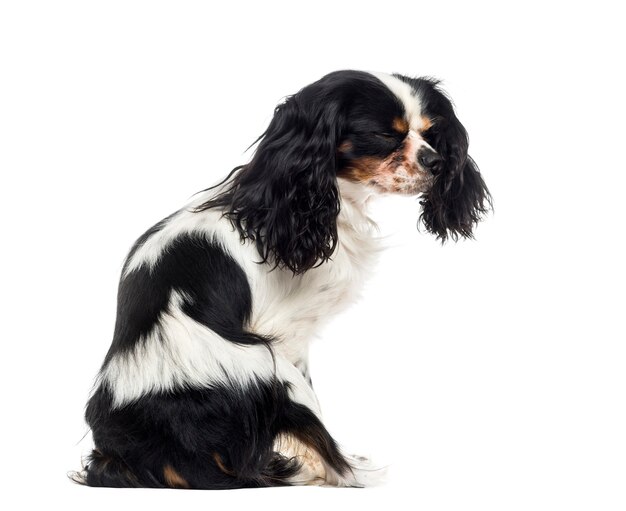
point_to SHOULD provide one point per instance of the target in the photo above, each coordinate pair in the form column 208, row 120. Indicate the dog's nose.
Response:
column 429, row 159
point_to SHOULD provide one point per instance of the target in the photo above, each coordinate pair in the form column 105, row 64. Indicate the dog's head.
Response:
column 388, row 133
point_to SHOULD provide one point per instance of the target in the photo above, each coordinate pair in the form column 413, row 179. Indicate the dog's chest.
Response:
column 291, row 309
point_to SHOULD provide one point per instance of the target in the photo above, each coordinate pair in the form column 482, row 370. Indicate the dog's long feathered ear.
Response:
column 458, row 197
column 286, row 199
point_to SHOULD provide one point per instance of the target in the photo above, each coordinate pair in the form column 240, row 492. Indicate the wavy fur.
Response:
column 458, row 198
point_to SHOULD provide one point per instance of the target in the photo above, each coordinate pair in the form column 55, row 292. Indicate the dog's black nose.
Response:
column 429, row 159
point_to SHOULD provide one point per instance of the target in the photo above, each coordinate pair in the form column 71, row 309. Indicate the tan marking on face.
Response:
column 363, row 169
column 173, row 479
column 397, row 173
column 400, row 125
column 426, row 124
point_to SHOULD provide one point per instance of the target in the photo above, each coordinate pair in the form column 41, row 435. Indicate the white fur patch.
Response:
column 184, row 221
column 181, row 352
column 406, row 94
column 292, row 309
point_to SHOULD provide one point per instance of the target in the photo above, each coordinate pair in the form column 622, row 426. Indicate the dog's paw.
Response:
column 364, row 472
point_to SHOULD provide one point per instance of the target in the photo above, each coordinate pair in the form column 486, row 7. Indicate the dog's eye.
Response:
column 430, row 135
column 386, row 136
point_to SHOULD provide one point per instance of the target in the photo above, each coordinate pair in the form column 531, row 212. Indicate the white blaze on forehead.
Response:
column 405, row 93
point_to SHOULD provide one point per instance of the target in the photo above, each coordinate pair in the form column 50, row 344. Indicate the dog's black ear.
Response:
column 286, row 199
column 458, row 198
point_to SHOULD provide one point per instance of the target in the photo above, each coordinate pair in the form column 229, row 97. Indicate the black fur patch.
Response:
column 215, row 292
column 219, row 437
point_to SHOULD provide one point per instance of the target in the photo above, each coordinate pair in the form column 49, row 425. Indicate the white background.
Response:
column 489, row 374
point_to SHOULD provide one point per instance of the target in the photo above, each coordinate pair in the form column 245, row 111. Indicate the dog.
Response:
column 206, row 384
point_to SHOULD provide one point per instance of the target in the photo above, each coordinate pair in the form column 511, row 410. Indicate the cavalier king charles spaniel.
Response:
column 206, row 383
